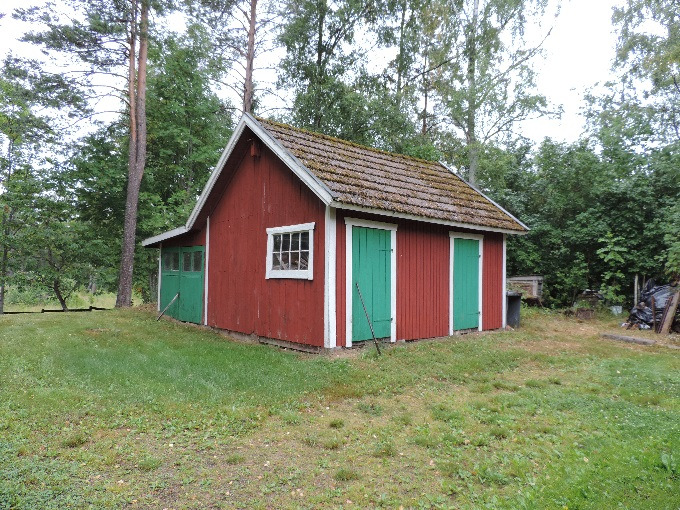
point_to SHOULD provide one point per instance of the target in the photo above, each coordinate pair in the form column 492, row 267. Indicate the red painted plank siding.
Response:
column 264, row 193
column 422, row 280
column 422, row 277
column 193, row 238
column 492, row 282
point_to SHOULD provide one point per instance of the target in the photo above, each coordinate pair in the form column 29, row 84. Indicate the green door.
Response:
column 191, row 285
column 170, row 280
column 371, row 268
column 465, row 284
column 182, row 272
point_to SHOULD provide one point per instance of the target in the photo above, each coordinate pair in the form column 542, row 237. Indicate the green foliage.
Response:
column 672, row 238
column 612, row 254
column 648, row 55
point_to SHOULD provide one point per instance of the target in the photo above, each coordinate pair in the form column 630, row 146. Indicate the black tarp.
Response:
column 653, row 299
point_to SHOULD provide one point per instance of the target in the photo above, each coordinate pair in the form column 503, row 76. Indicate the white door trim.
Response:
column 160, row 273
column 476, row 237
column 505, row 283
column 392, row 227
column 206, row 272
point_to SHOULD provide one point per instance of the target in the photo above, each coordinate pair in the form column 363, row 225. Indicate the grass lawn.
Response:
column 112, row 409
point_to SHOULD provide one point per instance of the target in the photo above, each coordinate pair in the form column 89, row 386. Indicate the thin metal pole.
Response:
column 370, row 324
column 164, row 309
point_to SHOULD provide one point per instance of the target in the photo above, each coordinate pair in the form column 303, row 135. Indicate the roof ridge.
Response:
column 346, row 142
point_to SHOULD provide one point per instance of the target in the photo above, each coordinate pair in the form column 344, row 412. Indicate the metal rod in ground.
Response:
column 370, row 324
column 166, row 308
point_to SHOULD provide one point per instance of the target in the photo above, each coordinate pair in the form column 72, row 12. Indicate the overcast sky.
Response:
column 578, row 56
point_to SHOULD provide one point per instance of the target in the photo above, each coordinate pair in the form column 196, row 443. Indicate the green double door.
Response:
column 466, row 254
column 182, row 272
column 371, row 269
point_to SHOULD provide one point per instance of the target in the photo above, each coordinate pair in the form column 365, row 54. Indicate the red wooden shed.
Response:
column 292, row 225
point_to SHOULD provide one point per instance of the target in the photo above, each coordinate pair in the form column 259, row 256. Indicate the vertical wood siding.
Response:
column 422, row 277
column 492, row 282
column 193, row 238
column 422, row 280
column 264, row 193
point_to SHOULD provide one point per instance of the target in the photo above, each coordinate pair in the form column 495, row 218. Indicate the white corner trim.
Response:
column 477, row 237
column 160, row 274
column 505, row 283
column 350, row 223
column 330, row 310
column 303, row 274
column 206, row 273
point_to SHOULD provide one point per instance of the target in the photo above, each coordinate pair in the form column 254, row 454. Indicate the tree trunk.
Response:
column 250, row 58
column 137, row 157
column 470, row 135
column 400, row 57
column 320, row 72
column 57, row 292
column 426, row 89
column 3, row 269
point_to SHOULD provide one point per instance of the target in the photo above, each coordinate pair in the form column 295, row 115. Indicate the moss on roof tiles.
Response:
column 368, row 177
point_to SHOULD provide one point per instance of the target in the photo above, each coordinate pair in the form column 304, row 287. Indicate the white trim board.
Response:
column 356, row 222
column 330, row 305
column 424, row 219
column 160, row 273
column 505, row 284
column 476, row 237
column 206, row 270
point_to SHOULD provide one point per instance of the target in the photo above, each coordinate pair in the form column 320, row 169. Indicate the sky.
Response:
column 578, row 57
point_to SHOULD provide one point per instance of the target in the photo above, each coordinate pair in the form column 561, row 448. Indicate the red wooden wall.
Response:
column 263, row 193
column 193, row 238
column 492, row 282
column 422, row 280
column 423, row 273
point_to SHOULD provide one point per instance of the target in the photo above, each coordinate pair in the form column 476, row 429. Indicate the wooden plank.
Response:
column 628, row 339
column 669, row 313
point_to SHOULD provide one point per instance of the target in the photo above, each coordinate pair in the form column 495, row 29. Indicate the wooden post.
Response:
column 636, row 291
column 669, row 313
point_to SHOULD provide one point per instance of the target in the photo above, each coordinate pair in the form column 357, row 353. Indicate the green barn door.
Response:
column 371, row 268
column 182, row 271
column 170, row 280
column 191, row 285
column 465, row 284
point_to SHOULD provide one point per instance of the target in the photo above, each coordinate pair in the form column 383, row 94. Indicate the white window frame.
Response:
column 299, row 274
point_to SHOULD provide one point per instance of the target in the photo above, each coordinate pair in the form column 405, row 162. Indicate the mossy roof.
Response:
column 365, row 177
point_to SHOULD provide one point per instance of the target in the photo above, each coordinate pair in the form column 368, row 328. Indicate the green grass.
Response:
column 113, row 409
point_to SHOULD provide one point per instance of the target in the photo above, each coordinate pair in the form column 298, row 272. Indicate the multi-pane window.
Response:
column 171, row 261
column 191, row 261
column 290, row 251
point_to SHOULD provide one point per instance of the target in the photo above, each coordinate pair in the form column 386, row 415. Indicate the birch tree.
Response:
column 487, row 83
